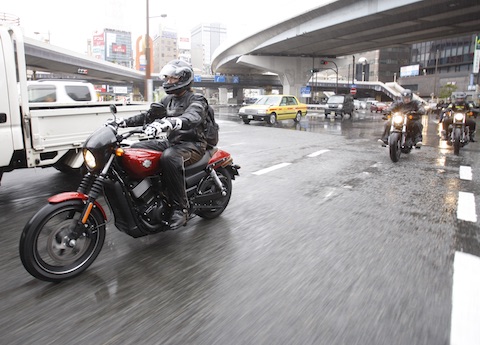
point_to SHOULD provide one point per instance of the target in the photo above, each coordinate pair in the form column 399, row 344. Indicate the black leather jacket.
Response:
column 191, row 108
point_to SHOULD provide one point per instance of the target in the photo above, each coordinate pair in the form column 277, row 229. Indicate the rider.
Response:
column 459, row 104
column 185, row 116
column 415, row 108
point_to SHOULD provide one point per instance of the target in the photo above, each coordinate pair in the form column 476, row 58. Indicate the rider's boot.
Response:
column 178, row 218
column 418, row 141
column 444, row 135
column 472, row 137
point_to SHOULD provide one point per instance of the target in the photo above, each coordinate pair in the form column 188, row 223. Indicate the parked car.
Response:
column 271, row 108
column 378, row 107
column 359, row 105
column 339, row 105
column 61, row 91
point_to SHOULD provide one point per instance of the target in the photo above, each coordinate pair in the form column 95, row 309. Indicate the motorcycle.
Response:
column 400, row 139
column 459, row 133
column 65, row 237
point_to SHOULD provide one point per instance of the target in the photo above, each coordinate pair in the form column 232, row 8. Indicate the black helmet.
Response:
column 178, row 69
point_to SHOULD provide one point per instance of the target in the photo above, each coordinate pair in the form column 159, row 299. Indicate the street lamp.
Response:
column 148, row 67
column 325, row 62
column 363, row 61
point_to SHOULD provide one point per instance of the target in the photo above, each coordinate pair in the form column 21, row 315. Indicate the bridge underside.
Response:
column 342, row 28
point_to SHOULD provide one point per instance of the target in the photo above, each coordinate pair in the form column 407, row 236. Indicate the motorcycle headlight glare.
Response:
column 458, row 116
column 397, row 119
column 89, row 159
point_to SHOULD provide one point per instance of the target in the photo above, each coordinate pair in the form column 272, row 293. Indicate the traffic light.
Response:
column 323, row 62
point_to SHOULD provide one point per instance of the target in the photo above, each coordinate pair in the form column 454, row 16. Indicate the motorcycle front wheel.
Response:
column 395, row 146
column 457, row 134
column 47, row 249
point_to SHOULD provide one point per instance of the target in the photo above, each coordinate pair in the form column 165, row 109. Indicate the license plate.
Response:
column 250, row 117
column 332, row 113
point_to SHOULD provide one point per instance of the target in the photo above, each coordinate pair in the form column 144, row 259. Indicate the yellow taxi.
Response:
column 270, row 108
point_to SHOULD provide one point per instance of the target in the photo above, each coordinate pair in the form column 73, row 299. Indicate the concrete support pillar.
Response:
column 222, row 95
column 238, row 94
column 294, row 72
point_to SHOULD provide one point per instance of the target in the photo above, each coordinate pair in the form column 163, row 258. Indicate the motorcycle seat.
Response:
column 202, row 163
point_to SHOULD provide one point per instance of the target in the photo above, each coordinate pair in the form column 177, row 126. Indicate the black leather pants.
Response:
column 173, row 162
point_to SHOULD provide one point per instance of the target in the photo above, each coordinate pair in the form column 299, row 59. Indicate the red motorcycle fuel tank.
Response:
column 141, row 163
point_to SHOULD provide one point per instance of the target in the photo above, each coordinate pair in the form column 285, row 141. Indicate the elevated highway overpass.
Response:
column 343, row 27
column 290, row 49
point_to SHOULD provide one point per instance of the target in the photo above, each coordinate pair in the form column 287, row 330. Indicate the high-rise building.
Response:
column 113, row 46
column 205, row 39
column 165, row 48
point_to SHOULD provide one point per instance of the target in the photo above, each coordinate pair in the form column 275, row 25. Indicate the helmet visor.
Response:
column 169, row 71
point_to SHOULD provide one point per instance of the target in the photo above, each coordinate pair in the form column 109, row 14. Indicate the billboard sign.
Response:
column 409, row 71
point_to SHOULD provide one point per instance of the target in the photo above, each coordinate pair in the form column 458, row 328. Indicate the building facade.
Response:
column 205, row 38
column 114, row 46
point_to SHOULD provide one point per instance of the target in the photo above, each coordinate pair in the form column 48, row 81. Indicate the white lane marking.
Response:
column 317, row 153
column 466, row 207
column 465, row 173
column 465, row 300
column 272, row 168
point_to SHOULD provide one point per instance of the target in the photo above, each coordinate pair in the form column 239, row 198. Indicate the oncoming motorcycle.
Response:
column 458, row 131
column 65, row 237
column 401, row 138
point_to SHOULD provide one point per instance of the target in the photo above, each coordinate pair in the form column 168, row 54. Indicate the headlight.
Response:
column 89, row 159
column 241, row 111
column 458, row 116
column 340, row 106
column 261, row 111
column 397, row 119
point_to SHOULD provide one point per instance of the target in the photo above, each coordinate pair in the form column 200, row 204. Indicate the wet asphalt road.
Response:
column 338, row 247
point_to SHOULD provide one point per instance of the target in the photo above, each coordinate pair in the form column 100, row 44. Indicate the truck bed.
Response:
column 62, row 127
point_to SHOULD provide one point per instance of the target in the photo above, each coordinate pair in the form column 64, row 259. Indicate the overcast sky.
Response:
column 71, row 23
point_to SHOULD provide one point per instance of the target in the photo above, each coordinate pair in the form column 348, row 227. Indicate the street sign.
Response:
column 305, row 91
column 353, row 91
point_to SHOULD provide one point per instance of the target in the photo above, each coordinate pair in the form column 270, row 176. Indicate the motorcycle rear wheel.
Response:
column 42, row 245
column 395, row 146
column 457, row 134
column 216, row 206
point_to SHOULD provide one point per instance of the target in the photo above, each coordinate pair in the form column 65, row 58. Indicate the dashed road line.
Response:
column 272, row 168
column 466, row 207
column 282, row 165
column 465, row 173
column 315, row 154
column 465, row 300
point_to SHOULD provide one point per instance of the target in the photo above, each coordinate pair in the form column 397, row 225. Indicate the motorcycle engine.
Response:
column 149, row 201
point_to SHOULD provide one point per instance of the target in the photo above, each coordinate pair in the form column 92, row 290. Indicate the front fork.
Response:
column 94, row 186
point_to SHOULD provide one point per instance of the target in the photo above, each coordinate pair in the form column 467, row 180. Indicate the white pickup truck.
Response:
column 42, row 135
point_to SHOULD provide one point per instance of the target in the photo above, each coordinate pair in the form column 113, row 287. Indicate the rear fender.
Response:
column 224, row 159
column 66, row 196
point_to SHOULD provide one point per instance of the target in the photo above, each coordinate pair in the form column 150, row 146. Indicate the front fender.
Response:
column 66, row 196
